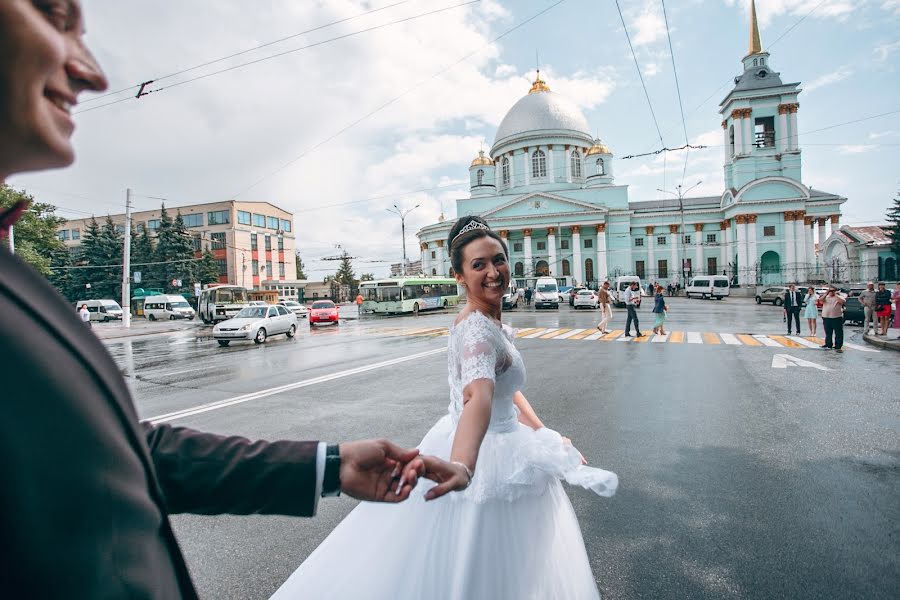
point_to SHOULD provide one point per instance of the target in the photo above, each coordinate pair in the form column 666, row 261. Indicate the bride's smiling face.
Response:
column 485, row 270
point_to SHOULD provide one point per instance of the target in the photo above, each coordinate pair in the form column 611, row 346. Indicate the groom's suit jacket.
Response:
column 86, row 488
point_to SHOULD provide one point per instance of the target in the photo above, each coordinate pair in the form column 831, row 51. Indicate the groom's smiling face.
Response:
column 485, row 270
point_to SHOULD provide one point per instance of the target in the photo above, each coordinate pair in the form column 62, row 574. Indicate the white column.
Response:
column 674, row 266
column 526, row 246
column 441, row 261
column 790, row 257
column 811, row 244
column 781, row 135
column 822, row 237
column 725, row 248
column 527, row 157
column 651, row 254
column 551, row 172
column 699, row 267
column 602, row 267
column 551, row 251
column 512, row 170
column 726, row 142
column 748, row 133
column 741, row 241
column 800, row 243
column 578, row 267
column 795, row 140
column 752, row 254
column 568, row 166
column 426, row 256
column 738, row 124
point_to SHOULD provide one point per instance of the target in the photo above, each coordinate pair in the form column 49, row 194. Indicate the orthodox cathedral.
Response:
column 549, row 189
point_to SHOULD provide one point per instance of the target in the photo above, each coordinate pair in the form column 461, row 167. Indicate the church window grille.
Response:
column 566, row 268
column 589, row 270
column 731, row 139
column 639, row 268
column 755, row 62
column 687, row 239
column 517, row 246
column 432, row 254
column 660, row 240
column 505, row 170
column 638, row 241
column 710, row 238
column 542, row 246
column 712, row 267
column 764, row 132
column 601, row 167
column 519, row 269
column 762, row 61
column 769, row 231
column 563, row 244
column 588, row 243
column 576, row 164
column 480, row 176
column 538, row 164
column 663, row 266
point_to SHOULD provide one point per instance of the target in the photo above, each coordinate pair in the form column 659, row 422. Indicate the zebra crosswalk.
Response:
column 704, row 338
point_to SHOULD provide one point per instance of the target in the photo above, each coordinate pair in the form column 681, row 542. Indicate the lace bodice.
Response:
column 480, row 348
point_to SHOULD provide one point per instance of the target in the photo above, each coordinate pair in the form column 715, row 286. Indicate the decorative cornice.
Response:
column 835, row 219
column 788, row 215
column 576, row 229
column 741, row 113
column 504, row 233
column 551, row 231
column 440, row 243
column 698, row 226
column 752, row 218
column 648, row 229
column 724, row 124
column 808, row 220
column 673, row 228
column 601, row 227
column 740, row 219
column 526, row 232
column 822, row 221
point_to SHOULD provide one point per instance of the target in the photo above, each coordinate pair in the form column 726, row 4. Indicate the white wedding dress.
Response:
column 511, row 534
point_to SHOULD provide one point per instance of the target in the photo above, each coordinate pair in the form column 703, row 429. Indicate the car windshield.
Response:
column 180, row 304
column 585, row 293
column 323, row 305
column 289, row 303
column 546, row 287
column 252, row 312
column 111, row 304
column 720, row 283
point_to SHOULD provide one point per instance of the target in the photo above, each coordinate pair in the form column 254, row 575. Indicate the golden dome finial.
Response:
column 598, row 148
column 755, row 44
column 539, row 84
column 481, row 159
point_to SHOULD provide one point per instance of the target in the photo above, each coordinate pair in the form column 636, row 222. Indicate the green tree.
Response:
column 142, row 253
column 345, row 273
column 36, row 240
column 110, row 244
column 174, row 252
column 367, row 277
column 301, row 274
column 893, row 217
column 87, row 273
column 207, row 269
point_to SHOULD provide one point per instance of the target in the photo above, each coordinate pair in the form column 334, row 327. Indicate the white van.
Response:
column 512, row 297
column 623, row 283
column 546, row 293
column 167, row 307
column 101, row 310
column 710, row 286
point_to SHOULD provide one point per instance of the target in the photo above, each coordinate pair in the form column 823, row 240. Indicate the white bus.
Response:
column 219, row 302
column 408, row 294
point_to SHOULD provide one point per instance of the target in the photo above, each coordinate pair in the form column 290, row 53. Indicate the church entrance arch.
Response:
column 541, row 268
column 770, row 268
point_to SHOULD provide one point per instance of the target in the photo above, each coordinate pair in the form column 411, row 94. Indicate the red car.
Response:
column 323, row 311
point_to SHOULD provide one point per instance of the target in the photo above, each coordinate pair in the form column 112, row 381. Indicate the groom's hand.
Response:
column 379, row 471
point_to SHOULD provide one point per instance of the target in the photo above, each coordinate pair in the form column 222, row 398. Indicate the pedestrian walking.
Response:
column 867, row 299
column 895, row 296
column 85, row 315
column 833, row 318
column 632, row 302
column 359, row 302
column 793, row 299
column 811, row 313
column 605, row 307
column 882, row 307
column 659, row 309
column 527, row 296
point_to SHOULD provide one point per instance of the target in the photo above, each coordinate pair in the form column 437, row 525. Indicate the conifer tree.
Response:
column 345, row 273
column 109, row 247
column 88, row 259
column 893, row 217
column 207, row 268
column 301, row 274
column 141, row 255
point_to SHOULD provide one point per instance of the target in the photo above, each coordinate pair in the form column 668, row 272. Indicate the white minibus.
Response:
column 167, row 307
column 709, row 286
column 623, row 283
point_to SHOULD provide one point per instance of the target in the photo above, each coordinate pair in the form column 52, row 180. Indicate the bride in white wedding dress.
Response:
column 509, row 530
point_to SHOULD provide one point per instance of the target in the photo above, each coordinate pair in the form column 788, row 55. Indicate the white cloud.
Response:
column 854, row 148
column 651, row 69
column 875, row 135
column 768, row 11
column 829, row 78
column 648, row 27
column 504, row 70
column 892, row 6
column 884, row 51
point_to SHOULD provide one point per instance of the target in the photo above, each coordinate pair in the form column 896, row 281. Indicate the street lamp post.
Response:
column 402, row 214
column 680, row 193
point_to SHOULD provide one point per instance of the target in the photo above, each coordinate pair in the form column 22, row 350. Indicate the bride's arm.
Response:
column 527, row 416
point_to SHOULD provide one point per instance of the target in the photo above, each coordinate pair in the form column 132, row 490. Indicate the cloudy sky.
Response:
column 338, row 131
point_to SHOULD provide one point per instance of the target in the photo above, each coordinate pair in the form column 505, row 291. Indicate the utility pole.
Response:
column 126, row 264
column 680, row 193
column 12, row 239
column 402, row 214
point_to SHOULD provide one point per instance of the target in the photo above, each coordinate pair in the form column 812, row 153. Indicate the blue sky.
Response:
column 268, row 131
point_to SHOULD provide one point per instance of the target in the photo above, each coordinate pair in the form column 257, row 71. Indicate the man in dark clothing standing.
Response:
column 793, row 300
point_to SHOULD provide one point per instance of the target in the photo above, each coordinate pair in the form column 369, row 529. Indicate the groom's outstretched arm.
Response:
column 206, row 473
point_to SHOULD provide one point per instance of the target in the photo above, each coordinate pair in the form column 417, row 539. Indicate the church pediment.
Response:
column 541, row 204
column 772, row 188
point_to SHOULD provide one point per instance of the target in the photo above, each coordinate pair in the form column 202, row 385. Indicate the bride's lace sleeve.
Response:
column 478, row 351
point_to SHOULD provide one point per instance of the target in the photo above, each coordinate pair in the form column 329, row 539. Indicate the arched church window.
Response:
column 519, row 270
column 576, row 164
column 601, row 167
column 731, row 139
column 538, row 164
column 566, row 268
column 762, row 61
column 505, row 170
column 755, row 62
column 479, row 176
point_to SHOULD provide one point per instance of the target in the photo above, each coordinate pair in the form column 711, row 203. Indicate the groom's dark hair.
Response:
column 456, row 241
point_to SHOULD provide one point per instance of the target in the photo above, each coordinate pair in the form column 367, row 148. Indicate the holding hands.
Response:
column 379, row 471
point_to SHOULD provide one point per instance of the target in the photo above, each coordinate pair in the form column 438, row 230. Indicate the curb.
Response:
column 140, row 333
column 889, row 343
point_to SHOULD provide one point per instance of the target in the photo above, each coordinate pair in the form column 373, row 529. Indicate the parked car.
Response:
column 546, row 293
column 574, row 292
column 323, row 311
column 774, row 295
column 623, row 282
column 102, row 310
column 295, row 307
column 258, row 303
column 853, row 308
column 586, row 299
column 710, row 286
column 512, row 297
column 167, row 308
column 564, row 293
column 256, row 323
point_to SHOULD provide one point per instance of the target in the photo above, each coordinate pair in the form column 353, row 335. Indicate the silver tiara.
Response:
column 470, row 226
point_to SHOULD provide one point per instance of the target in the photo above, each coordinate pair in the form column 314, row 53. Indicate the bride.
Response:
column 510, row 530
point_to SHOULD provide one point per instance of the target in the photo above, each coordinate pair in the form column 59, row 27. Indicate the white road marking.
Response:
column 539, row 333
column 783, row 361
column 568, row 334
column 594, row 336
column 862, row 348
column 188, row 412
column 624, row 338
column 803, row 341
column 730, row 339
column 660, row 338
column 767, row 342
column 693, row 337
column 170, row 373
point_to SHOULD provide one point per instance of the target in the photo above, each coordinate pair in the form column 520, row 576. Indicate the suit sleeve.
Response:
column 204, row 473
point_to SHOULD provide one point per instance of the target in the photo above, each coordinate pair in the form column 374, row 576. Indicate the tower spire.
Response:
column 755, row 44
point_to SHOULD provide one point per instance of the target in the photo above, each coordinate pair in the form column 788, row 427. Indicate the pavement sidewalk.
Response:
column 889, row 341
column 116, row 331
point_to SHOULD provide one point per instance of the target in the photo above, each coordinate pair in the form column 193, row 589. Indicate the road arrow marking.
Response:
column 783, row 361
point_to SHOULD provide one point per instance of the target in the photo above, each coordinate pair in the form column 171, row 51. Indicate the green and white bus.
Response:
column 408, row 294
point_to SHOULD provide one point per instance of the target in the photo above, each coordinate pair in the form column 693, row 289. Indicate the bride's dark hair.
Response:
column 456, row 241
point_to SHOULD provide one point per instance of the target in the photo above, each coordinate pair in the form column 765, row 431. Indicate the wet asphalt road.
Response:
column 737, row 480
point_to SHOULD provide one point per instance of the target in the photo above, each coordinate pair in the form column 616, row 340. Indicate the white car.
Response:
column 296, row 308
column 256, row 323
column 586, row 299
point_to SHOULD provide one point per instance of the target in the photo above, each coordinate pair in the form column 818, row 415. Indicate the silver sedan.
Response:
column 256, row 323
column 585, row 298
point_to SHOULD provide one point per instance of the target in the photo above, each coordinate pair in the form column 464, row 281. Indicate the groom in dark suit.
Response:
column 793, row 301
column 87, row 489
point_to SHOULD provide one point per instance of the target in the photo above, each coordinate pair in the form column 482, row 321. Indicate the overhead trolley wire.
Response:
column 687, row 141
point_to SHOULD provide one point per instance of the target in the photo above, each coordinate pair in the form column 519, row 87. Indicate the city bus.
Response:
column 219, row 302
column 408, row 294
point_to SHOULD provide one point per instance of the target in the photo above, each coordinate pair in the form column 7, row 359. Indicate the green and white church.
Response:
column 549, row 189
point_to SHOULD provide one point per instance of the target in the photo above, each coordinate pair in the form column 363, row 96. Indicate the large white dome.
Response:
column 541, row 111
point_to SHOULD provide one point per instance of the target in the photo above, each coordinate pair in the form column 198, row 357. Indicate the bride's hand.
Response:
column 568, row 442
column 449, row 477
column 378, row 470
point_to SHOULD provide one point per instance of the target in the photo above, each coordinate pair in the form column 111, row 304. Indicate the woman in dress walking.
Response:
column 811, row 313
column 659, row 311
column 510, row 530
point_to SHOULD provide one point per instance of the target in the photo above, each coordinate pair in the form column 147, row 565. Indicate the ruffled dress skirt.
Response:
column 512, row 534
